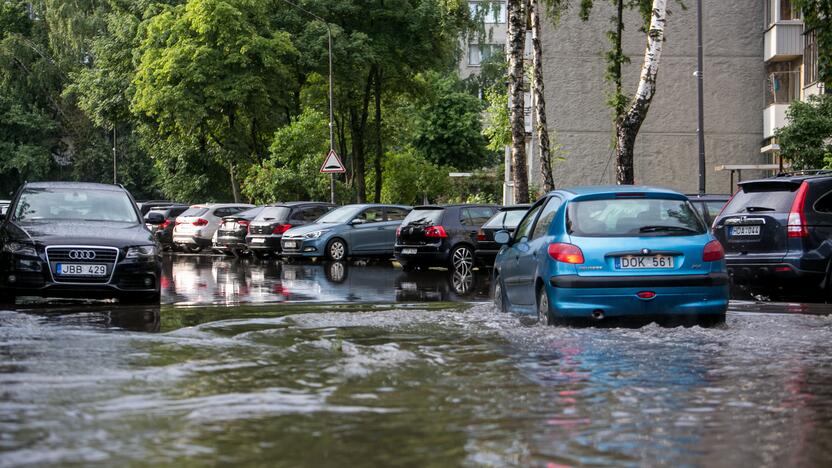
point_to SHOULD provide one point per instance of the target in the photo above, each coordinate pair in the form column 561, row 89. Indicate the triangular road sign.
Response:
column 332, row 164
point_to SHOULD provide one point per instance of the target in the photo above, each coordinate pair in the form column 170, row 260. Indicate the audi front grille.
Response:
column 82, row 255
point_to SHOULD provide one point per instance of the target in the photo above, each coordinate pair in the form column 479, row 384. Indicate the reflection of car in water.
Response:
column 340, row 282
column 437, row 285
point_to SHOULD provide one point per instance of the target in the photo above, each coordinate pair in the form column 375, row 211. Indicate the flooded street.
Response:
column 321, row 365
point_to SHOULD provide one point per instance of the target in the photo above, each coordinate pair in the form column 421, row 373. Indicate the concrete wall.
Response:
column 666, row 150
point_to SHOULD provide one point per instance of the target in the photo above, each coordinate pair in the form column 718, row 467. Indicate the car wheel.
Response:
column 499, row 295
column 544, row 315
column 336, row 250
column 707, row 321
column 152, row 298
column 462, row 258
column 7, row 299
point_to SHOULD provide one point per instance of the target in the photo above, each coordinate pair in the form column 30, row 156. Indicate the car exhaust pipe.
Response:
column 598, row 314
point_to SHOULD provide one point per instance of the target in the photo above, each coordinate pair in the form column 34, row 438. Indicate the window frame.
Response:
column 534, row 233
column 533, row 212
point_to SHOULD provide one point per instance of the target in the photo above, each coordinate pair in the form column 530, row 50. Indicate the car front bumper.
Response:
column 303, row 247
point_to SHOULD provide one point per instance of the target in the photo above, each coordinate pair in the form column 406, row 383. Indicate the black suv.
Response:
column 777, row 233
column 266, row 230
column 63, row 239
column 441, row 235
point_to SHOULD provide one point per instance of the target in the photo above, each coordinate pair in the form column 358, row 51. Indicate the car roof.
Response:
column 451, row 205
column 796, row 178
column 75, row 185
column 370, row 205
column 601, row 190
column 299, row 203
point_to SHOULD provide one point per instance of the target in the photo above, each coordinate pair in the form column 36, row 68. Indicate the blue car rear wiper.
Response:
column 666, row 228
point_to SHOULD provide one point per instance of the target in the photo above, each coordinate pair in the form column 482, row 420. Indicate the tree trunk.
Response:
column 540, row 101
column 628, row 125
column 516, row 43
column 358, row 126
column 379, row 148
column 235, row 189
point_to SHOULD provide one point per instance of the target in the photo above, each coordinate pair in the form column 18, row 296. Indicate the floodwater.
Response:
column 389, row 372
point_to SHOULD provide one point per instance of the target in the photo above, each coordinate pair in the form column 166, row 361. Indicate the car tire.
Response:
column 336, row 250
column 151, row 298
column 713, row 320
column 462, row 257
column 544, row 315
column 499, row 295
column 7, row 299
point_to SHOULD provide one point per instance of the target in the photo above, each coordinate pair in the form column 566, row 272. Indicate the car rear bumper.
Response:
column 191, row 240
column 231, row 242
column 759, row 275
column 624, row 302
column 639, row 282
column 425, row 254
column 271, row 243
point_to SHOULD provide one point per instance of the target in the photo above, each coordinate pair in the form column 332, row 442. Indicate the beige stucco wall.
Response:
column 666, row 149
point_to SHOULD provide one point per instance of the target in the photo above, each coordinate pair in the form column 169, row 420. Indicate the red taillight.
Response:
column 165, row 224
column 713, row 251
column 796, row 226
column 281, row 228
column 566, row 253
column 200, row 222
column 480, row 236
column 646, row 295
column 243, row 222
column 398, row 231
column 713, row 225
column 435, row 231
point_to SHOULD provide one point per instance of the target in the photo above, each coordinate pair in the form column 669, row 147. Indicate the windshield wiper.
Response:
column 752, row 209
column 667, row 229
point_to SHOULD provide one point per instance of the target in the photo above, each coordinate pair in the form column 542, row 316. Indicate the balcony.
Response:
column 782, row 87
column 784, row 41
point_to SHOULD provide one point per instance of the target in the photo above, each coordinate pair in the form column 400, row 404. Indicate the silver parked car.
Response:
column 195, row 228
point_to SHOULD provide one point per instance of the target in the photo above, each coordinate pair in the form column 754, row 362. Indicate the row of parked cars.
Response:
column 584, row 252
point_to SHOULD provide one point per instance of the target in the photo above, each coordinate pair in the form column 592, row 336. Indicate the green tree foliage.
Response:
column 807, row 140
column 215, row 69
column 449, row 126
column 413, row 180
column 817, row 16
column 292, row 170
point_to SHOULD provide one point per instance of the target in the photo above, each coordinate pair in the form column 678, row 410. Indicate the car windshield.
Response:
column 424, row 216
column 633, row 217
column 75, row 204
column 271, row 213
column 508, row 219
column 341, row 215
column 194, row 211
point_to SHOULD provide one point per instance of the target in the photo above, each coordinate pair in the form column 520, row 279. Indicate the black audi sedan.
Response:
column 67, row 239
column 443, row 235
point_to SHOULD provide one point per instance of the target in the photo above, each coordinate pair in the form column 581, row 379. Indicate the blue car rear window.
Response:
column 633, row 217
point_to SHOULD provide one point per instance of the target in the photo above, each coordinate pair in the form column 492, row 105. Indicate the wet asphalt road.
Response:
column 304, row 364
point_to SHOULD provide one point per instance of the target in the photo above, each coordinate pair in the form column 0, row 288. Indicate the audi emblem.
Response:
column 82, row 254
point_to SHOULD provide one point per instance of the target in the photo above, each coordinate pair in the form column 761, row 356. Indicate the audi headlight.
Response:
column 141, row 251
column 315, row 234
column 18, row 248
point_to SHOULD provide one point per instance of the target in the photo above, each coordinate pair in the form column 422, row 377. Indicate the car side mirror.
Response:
column 502, row 237
column 154, row 218
column 356, row 222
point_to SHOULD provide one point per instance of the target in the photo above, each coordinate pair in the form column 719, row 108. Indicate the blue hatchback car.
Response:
column 349, row 231
column 596, row 252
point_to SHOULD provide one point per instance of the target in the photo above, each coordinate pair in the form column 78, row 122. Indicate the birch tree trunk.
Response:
column 629, row 123
column 540, row 101
column 516, row 46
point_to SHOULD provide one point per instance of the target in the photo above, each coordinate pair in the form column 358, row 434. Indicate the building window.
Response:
column 477, row 53
column 780, row 10
column 490, row 12
column 810, row 57
column 782, row 83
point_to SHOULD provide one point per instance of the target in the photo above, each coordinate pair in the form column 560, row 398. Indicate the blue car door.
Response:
column 369, row 235
column 533, row 260
column 513, row 277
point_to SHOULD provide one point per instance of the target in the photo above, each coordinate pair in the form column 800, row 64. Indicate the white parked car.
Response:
column 195, row 227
